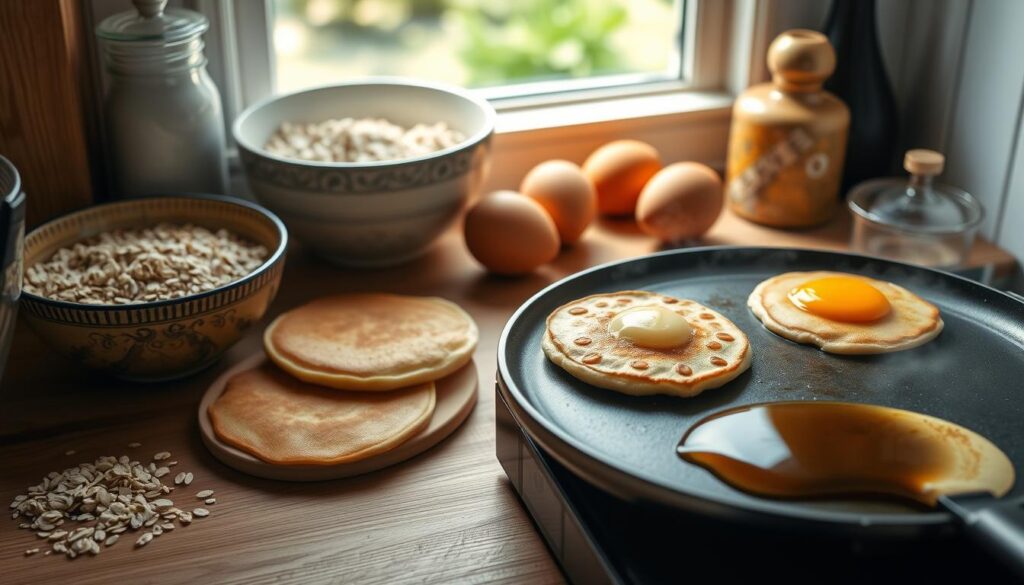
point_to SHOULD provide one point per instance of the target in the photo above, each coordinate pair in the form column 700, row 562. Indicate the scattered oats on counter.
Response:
column 166, row 261
column 359, row 140
column 107, row 498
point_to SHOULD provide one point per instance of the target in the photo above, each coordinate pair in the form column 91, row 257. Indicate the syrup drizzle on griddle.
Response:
column 812, row 449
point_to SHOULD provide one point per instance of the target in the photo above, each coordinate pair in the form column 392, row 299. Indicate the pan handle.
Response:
column 995, row 525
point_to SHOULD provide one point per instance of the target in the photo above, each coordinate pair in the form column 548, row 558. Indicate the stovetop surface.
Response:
column 627, row 444
column 597, row 537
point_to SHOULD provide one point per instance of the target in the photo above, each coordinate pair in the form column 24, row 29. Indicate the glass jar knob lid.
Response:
column 921, row 161
column 151, row 21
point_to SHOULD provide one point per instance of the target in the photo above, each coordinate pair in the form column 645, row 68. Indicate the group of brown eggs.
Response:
column 514, row 232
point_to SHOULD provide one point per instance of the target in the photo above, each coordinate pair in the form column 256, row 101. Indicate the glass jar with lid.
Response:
column 163, row 116
column 917, row 221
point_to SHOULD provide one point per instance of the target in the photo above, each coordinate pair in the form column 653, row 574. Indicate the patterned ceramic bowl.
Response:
column 159, row 340
column 372, row 213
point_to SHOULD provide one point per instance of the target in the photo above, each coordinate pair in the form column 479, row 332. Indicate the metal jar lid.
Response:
column 151, row 22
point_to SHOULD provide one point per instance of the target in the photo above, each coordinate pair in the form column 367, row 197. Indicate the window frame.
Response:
column 241, row 36
column 255, row 58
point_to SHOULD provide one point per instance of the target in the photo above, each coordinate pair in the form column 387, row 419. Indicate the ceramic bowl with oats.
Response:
column 152, row 289
column 368, row 172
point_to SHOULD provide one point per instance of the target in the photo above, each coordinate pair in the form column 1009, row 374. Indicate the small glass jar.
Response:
column 164, row 122
column 920, row 221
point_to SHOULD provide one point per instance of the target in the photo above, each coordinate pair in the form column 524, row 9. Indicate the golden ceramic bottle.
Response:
column 788, row 138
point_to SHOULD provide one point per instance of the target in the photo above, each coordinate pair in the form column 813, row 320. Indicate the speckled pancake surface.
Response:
column 281, row 420
column 578, row 340
column 372, row 341
column 911, row 321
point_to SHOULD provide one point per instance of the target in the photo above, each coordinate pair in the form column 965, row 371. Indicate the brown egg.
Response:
column 619, row 170
column 510, row 233
column 565, row 193
column 681, row 202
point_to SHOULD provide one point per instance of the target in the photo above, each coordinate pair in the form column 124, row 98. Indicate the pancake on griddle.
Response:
column 844, row 313
column 281, row 420
column 684, row 347
column 372, row 341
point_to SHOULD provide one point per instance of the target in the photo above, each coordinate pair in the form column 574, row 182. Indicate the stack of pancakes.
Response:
column 352, row 377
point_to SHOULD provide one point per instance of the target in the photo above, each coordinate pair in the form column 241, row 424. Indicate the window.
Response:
column 564, row 75
column 518, row 49
column 510, row 48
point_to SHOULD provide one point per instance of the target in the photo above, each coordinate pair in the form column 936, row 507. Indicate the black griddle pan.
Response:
column 971, row 374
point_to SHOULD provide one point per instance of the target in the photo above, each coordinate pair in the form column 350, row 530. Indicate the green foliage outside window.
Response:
column 497, row 41
column 537, row 38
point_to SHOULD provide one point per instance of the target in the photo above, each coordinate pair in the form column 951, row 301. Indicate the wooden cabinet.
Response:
column 45, row 92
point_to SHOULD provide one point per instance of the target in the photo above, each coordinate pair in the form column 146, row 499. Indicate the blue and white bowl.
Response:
column 157, row 340
column 368, row 213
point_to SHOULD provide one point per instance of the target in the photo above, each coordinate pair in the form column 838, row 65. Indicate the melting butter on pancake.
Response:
column 281, row 420
column 639, row 343
column 372, row 341
column 844, row 313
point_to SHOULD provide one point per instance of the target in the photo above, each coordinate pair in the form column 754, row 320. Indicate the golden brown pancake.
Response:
column 281, row 420
column 910, row 322
column 578, row 339
column 372, row 341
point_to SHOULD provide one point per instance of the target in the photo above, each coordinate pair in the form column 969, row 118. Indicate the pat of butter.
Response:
column 654, row 327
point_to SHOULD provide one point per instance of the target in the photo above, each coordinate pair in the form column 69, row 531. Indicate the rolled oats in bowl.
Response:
column 373, row 190
column 126, row 266
column 359, row 140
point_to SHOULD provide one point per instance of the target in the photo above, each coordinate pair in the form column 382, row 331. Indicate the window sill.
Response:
column 649, row 104
column 682, row 125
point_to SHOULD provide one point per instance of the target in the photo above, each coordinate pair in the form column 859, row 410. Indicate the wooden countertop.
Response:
column 448, row 515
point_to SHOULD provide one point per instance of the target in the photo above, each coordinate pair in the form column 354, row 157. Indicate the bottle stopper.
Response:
column 801, row 60
column 922, row 161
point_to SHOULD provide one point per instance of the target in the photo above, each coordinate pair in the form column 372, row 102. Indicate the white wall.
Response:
column 958, row 70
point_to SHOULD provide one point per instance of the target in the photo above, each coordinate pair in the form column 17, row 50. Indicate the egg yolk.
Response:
column 841, row 298
column 654, row 327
